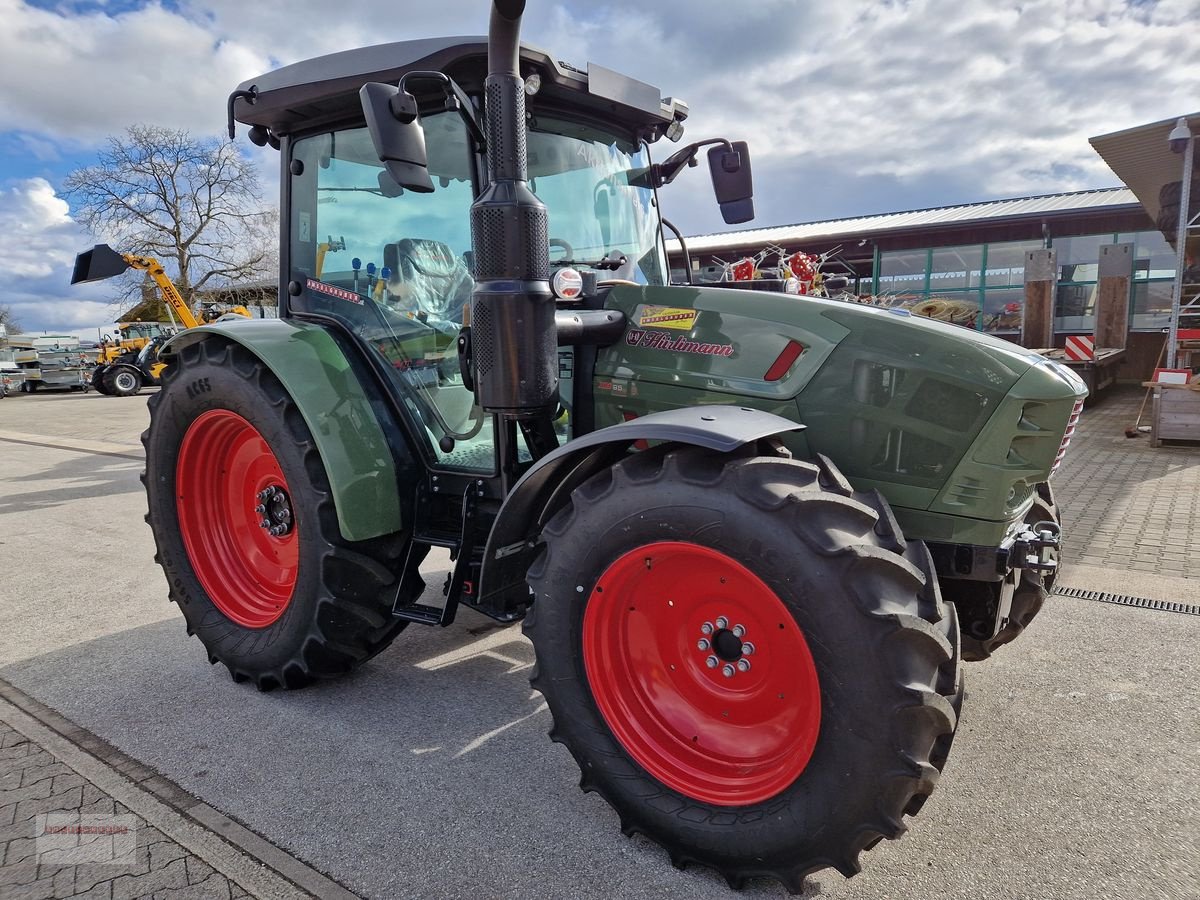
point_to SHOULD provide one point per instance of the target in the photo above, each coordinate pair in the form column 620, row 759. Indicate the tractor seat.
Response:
column 426, row 276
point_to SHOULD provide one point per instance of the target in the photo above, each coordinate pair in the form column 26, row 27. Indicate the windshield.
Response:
column 592, row 186
column 395, row 267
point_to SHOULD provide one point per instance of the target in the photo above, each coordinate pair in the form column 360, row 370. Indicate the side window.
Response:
column 393, row 265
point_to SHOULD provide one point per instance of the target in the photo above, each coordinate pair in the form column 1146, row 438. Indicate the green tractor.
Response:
column 729, row 519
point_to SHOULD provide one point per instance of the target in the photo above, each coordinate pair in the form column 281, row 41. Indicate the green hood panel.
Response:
column 921, row 410
column 317, row 375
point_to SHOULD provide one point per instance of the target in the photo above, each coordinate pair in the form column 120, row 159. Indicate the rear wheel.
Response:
column 246, row 532
column 746, row 659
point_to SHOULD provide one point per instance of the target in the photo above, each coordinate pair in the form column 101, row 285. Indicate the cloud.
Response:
column 851, row 108
column 35, row 267
column 78, row 77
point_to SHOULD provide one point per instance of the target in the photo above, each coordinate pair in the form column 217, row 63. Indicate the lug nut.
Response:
column 706, row 628
column 722, row 622
column 743, row 665
column 260, row 509
column 702, row 643
column 747, row 648
column 711, row 662
column 738, row 631
column 265, row 523
column 727, row 670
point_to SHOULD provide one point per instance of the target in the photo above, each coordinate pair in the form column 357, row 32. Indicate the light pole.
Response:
column 1182, row 141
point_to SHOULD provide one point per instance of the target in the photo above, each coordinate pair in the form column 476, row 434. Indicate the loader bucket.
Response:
column 102, row 261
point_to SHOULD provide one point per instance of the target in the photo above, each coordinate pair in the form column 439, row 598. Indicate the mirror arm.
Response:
column 668, row 170
column 249, row 96
column 457, row 96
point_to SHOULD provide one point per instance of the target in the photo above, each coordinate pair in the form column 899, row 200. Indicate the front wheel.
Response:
column 746, row 659
column 246, row 531
column 122, row 381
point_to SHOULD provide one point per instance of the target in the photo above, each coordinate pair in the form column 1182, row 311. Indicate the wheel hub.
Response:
column 724, row 647
column 275, row 508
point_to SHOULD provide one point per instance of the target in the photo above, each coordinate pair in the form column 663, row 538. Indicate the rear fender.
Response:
column 514, row 540
column 317, row 375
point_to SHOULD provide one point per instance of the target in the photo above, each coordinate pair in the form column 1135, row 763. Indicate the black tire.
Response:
column 97, row 379
column 122, row 381
column 884, row 645
column 1029, row 594
column 340, row 611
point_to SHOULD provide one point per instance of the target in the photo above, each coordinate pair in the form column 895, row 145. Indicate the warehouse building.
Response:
column 975, row 253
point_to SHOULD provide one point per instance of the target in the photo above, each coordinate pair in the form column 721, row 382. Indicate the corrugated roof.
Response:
column 1104, row 198
column 1142, row 158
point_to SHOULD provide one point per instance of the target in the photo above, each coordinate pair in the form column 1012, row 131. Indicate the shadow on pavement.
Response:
column 81, row 477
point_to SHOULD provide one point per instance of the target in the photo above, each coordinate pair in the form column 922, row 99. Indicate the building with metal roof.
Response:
column 972, row 255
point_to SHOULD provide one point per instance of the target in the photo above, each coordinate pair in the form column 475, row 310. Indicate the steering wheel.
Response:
column 568, row 251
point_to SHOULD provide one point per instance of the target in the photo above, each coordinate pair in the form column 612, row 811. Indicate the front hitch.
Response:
column 1032, row 548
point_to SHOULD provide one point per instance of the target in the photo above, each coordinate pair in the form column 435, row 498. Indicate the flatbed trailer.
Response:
column 1096, row 358
column 1098, row 372
column 53, row 369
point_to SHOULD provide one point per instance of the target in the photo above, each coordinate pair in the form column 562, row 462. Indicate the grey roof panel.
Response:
column 882, row 223
column 1142, row 158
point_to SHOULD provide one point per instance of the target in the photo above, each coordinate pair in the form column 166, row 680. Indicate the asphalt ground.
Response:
column 428, row 773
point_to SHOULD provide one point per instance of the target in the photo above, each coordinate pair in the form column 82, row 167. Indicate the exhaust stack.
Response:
column 514, row 345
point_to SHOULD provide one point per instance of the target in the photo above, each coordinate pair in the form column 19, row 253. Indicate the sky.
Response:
column 850, row 108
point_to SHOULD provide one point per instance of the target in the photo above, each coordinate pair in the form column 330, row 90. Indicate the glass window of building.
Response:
column 903, row 272
column 955, row 268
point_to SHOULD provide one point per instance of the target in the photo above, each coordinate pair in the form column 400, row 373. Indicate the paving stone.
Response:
column 66, row 782
column 33, row 774
column 64, row 882
column 197, row 870
column 215, row 887
column 15, row 751
column 70, row 799
column 19, row 850
column 163, row 852
column 44, row 888
column 36, row 791
column 101, row 891
column 23, row 873
column 129, row 887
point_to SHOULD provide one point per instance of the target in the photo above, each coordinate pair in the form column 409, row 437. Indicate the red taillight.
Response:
column 784, row 361
column 1066, row 441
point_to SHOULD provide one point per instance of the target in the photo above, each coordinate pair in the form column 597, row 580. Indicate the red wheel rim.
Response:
column 224, row 465
column 652, row 622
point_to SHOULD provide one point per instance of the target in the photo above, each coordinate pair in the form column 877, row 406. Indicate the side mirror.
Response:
column 397, row 135
column 733, row 181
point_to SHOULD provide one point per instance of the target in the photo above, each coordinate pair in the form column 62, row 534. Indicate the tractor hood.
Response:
column 902, row 402
column 771, row 345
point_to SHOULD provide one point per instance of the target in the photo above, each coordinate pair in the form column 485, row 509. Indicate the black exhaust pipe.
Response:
column 513, row 342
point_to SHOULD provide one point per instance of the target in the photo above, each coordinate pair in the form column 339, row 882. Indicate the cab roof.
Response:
column 323, row 90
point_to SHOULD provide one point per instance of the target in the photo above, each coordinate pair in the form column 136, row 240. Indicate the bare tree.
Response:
column 9, row 320
column 193, row 204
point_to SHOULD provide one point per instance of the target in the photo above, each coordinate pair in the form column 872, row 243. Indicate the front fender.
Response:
column 544, row 489
column 319, row 378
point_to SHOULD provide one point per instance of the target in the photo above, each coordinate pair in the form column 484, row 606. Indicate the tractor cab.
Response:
column 402, row 280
